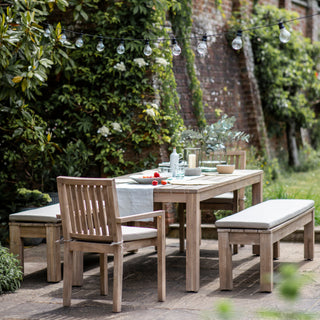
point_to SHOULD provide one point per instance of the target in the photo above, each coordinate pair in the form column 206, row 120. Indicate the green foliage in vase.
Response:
column 10, row 271
column 213, row 137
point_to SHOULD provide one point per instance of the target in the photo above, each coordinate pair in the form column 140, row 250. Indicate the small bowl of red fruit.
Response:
column 155, row 179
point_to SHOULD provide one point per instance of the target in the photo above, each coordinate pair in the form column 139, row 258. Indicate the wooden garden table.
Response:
column 191, row 193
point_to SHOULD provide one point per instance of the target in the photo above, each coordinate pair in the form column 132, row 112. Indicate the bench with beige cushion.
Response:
column 264, row 224
column 38, row 223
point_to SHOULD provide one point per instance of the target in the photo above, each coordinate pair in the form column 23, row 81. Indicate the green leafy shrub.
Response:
column 31, row 198
column 10, row 271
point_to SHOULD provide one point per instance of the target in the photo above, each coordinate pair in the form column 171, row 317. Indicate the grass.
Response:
column 296, row 185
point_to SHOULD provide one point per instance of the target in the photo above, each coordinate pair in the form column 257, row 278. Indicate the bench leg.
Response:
column 225, row 261
column 309, row 241
column 276, row 250
column 266, row 262
column 53, row 253
column 16, row 243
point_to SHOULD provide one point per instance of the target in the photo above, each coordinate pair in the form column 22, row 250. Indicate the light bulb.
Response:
column 63, row 37
column 121, row 49
column 237, row 42
column 47, row 32
column 147, row 49
column 284, row 33
column 176, row 50
column 100, row 45
column 79, row 42
column 202, row 46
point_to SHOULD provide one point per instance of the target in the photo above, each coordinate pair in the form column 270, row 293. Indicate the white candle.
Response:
column 192, row 160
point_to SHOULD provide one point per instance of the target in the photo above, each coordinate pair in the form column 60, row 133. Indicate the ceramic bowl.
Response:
column 225, row 168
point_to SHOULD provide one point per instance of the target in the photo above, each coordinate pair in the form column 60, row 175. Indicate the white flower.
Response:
column 104, row 131
column 120, row 66
column 150, row 112
column 140, row 62
column 162, row 61
column 116, row 126
column 154, row 106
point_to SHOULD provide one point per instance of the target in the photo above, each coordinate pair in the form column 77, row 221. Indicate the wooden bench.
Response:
column 38, row 223
column 264, row 224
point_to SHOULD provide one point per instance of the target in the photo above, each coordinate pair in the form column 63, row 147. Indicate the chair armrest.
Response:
column 140, row 216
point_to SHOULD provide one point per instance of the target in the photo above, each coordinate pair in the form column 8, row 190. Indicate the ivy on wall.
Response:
column 181, row 17
column 116, row 109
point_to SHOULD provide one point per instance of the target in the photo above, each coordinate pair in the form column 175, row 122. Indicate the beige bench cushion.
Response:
column 266, row 215
column 42, row 214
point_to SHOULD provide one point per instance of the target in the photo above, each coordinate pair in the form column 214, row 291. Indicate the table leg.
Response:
column 193, row 245
column 257, row 197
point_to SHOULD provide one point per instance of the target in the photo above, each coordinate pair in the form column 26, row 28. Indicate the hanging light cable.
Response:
column 284, row 33
column 202, row 46
column 147, row 49
column 237, row 42
column 176, row 50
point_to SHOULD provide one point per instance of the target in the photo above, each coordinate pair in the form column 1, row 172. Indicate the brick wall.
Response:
column 226, row 76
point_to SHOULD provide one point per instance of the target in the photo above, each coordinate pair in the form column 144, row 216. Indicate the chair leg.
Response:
column 77, row 268
column 161, row 268
column 67, row 275
column 103, row 274
column 117, row 278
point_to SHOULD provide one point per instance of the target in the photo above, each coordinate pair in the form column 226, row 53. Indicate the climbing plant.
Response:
column 181, row 16
column 117, row 109
column 287, row 75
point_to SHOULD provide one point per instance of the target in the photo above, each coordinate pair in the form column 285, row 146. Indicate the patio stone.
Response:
column 38, row 299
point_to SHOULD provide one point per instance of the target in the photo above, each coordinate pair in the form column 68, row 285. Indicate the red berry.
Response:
column 156, row 174
column 154, row 182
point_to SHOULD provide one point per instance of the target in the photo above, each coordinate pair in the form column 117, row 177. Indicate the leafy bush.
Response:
column 10, row 271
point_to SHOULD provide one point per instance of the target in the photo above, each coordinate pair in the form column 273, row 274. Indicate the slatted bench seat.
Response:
column 264, row 224
column 38, row 223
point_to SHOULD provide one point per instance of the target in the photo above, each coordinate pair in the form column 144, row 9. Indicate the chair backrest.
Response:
column 236, row 157
column 89, row 208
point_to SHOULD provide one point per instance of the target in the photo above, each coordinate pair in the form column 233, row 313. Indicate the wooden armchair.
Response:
column 91, row 223
column 232, row 201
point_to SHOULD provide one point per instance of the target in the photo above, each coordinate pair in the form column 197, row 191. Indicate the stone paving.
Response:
column 37, row 299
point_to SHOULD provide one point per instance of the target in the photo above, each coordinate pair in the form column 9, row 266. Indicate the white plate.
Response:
column 142, row 180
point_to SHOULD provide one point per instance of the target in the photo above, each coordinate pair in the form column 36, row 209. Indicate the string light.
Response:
column 284, row 33
column 47, row 32
column 147, row 49
column 63, row 37
column 100, row 45
column 176, row 50
column 121, row 49
column 237, row 42
column 202, row 46
column 79, row 42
